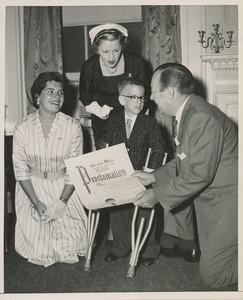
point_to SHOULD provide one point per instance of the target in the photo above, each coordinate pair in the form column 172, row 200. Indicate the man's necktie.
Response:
column 174, row 128
column 128, row 128
column 174, row 132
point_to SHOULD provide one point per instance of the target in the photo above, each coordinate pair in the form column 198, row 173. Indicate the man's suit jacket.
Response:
column 146, row 134
column 206, row 171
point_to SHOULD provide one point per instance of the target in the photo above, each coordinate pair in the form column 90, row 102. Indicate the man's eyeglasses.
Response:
column 134, row 98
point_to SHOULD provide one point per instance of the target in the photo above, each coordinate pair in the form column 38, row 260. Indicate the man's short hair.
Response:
column 177, row 76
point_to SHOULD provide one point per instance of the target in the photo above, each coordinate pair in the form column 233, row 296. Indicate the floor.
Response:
column 165, row 275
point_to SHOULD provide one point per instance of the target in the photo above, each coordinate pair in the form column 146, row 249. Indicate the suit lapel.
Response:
column 57, row 123
column 138, row 126
column 185, row 114
column 120, row 125
column 35, row 120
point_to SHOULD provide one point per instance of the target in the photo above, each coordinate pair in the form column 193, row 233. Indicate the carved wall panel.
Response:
column 222, row 78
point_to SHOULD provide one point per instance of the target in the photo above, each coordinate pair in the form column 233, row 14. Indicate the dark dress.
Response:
column 93, row 86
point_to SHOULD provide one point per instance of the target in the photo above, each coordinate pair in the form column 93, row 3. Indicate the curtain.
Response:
column 161, row 43
column 42, row 43
column 161, row 40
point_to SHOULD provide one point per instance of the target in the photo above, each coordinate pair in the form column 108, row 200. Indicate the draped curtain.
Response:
column 161, row 43
column 42, row 42
column 162, row 36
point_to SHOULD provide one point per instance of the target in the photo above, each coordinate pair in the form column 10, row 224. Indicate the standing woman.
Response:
column 51, row 221
column 101, row 73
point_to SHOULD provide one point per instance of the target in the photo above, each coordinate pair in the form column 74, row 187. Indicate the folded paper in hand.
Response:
column 102, row 178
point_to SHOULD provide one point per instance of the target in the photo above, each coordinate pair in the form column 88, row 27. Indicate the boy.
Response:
column 143, row 133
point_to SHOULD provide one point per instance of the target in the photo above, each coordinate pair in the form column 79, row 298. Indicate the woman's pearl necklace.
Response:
column 112, row 71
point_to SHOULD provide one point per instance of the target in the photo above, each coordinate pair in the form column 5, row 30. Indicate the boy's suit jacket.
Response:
column 206, row 169
column 146, row 134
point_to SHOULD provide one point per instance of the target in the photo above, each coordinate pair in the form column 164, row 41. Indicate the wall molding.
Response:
column 222, row 62
column 222, row 77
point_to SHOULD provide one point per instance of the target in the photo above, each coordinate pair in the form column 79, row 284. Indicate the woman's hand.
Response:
column 105, row 112
column 40, row 207
column 101, row 112
column 55, row 211
column 144, row 177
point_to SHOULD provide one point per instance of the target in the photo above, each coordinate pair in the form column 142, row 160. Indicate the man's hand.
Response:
column 145, row 199
column 144, row 177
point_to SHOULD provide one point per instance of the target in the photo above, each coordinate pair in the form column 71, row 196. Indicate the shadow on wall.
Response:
column 70, row 105
column 199, row 88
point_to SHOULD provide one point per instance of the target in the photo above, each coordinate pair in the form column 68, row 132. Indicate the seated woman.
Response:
column 51, row 221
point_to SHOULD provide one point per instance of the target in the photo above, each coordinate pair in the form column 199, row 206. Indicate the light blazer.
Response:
column 205, row 170
column 146, row 134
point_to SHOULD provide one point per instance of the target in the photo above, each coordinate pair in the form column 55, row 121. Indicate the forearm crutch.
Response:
column 137, row 245
column 93, row 221
column 136, row 248
column 135, row 241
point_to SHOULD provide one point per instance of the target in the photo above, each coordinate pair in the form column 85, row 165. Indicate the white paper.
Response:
column 101, row 178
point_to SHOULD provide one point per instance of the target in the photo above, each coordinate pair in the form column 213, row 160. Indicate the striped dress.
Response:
column 65, row 238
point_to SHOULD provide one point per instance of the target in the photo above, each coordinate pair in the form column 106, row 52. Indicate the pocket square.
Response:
column 181, row 155
column 176, row 141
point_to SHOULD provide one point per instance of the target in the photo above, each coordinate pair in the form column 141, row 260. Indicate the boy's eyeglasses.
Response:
column 134, row 98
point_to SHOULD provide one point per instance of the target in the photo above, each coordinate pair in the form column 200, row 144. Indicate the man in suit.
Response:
column 141, row 133
column 204, row 171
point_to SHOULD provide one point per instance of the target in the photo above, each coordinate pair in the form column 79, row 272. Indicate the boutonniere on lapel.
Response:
column 177, row 142
column 181, row 155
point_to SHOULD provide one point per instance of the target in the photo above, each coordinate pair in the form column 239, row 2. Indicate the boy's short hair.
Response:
column 130, row 81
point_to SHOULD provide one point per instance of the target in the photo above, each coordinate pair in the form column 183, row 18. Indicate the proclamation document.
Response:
column 101, row 178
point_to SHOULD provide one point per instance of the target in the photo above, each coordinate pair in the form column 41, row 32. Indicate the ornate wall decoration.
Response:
column 223, row 69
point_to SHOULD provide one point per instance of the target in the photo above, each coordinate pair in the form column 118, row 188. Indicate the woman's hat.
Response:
column 94, row 31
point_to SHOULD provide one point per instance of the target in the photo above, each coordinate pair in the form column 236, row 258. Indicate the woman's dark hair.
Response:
column 176, row 75
column 110, row 35
column 40, row 83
